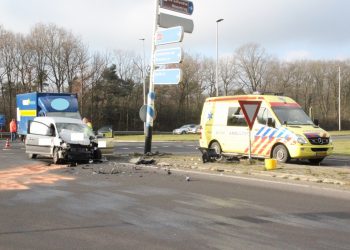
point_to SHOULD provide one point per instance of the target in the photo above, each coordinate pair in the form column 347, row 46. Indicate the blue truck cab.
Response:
column 31, row 105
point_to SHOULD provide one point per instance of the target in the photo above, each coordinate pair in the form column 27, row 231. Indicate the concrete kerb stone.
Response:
column 236, row 170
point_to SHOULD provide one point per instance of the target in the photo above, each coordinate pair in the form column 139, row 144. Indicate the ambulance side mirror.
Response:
column 270, row 122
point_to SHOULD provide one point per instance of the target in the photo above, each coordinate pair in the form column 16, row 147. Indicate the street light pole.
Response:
column 217, row 56
column 339, row 101
column 143, row 68
column 143, row 77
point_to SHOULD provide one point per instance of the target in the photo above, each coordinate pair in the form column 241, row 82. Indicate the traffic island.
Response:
column 124, row 165
column 257, row 169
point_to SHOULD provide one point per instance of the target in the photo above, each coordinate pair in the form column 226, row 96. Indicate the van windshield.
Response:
column 292, row 116
column 74, row 127
column 75, row 115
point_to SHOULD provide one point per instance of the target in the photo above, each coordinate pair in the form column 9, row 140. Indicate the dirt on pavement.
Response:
column 295, row 172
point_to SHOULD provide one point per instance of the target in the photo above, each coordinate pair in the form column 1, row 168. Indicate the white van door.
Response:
column 39, row 139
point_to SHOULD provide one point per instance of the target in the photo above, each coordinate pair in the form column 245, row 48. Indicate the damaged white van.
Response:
column 63, row 139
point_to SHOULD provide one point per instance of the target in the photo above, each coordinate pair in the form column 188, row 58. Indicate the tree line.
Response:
column 110, row 85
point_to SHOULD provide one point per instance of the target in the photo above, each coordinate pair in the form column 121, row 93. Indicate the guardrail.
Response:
column 5, row 135
column 8, row 134
column 139, row 133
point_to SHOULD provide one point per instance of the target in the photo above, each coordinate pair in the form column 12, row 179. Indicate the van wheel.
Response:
column 280, row 153
column 32, row 156
column 98, row 154
column 217, row 148
column 56, row 159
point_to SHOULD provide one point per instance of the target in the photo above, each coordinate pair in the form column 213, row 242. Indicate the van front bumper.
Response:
column 310, row 151
column 75, row 156
column 79, row 153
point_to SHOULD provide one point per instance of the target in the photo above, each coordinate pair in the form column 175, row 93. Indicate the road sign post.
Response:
column 166, row 56
column 250, row 111
column 151, row 95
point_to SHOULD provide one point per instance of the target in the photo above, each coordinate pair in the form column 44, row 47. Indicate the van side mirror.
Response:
column 270, row 122
column 316, row 122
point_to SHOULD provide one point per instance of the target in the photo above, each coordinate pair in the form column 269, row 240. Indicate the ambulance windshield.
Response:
column 292, row 116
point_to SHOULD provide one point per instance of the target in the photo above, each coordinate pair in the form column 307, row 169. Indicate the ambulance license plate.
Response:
column 321, row 153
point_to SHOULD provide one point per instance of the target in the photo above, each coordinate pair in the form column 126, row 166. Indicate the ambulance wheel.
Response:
column 280, row 153
column 217, row 148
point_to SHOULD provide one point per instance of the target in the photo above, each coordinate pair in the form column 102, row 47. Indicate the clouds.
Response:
column 317, row 28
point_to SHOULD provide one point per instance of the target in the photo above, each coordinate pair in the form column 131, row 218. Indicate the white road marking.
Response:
column 125, row 148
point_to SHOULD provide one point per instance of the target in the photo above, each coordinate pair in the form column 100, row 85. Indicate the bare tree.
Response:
column 252, row 61
column 23, row 60
column 209, row 76
column 57, row 70
column 7, row 57
column 75, row 56
column 228, row 73
column 38, row 44
column 125, row 64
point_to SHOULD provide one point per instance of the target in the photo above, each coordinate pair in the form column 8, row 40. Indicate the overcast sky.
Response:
column 287, row 29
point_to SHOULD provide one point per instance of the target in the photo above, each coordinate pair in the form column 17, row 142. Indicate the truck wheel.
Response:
column 316, row 161
column 32, row 156
column 55, row 158
column 280, row 153
column 217, row 148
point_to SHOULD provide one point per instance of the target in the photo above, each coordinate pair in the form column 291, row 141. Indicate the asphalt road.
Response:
column 55, row 207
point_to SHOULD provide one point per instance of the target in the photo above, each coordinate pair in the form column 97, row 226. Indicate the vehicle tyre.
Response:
column 280, row 153
column 32, row 156
column 98, row 154
column 217, row 148
column 316, row 161
column 55, row 158
column 183, row 132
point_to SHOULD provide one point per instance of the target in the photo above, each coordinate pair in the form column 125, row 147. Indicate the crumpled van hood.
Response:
column 73, row 137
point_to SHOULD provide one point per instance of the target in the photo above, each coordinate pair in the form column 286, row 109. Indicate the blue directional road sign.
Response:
column 167, row 76
column 167, row 56
column 171, row 35
column 182, row 6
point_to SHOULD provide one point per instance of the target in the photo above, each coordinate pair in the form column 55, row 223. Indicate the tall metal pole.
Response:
column 217, row 57
column 339, row 101
column 143, row 77
column 143, row 68
column 151, row 95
